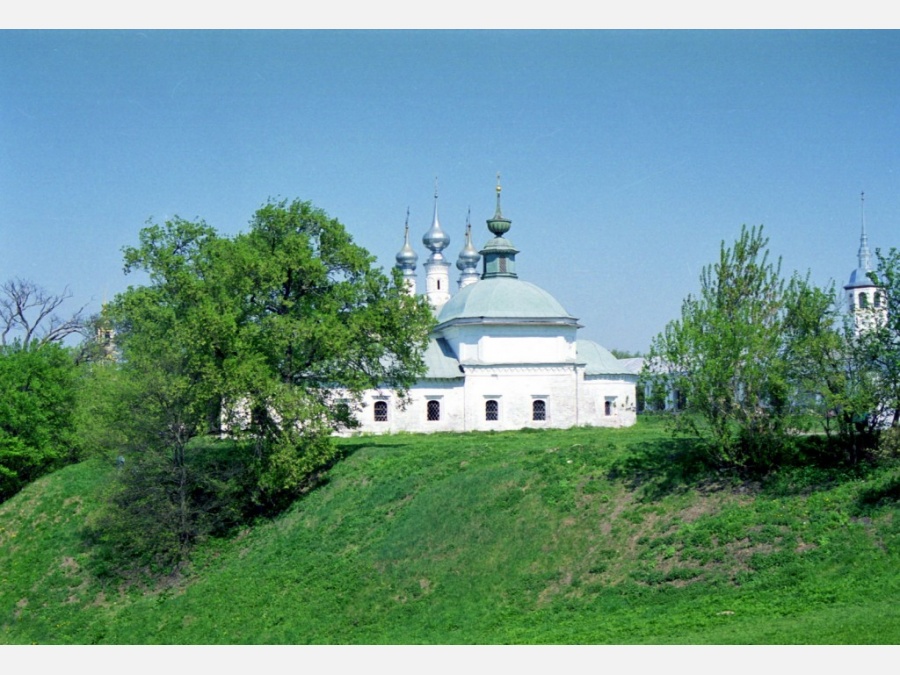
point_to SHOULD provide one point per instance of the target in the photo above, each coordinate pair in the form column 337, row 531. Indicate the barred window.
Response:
column 434, row 410
column 539, row 410
column 381, row 409
column 491, row 410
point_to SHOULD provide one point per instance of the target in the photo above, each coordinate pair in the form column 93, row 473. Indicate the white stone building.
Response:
column 504, row 354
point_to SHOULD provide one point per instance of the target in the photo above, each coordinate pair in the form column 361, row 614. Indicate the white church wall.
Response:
column 414, row 417
column 516, row 388
column 608, row 401
column 512, row 343
column 568, row 399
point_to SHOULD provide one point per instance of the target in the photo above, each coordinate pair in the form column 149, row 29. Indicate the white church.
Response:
column 504, row 354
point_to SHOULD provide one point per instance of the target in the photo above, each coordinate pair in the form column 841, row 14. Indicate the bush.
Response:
column 37, row 404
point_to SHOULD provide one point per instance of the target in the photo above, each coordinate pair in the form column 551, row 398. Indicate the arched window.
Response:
column 863, row 300
column 539, row 410
column 381, row 410
column 607, row 408
column 491, row 410
column 877, row 302
column 434, row 410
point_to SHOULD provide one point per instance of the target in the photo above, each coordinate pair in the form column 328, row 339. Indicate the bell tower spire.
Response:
column 406, row 260
column 865, row 299
column 437, row 269
column 467, row 264
column 864, row 255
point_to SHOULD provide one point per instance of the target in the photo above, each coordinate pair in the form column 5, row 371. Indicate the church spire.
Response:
column 499, row 253
column 435, row 239
column 865, row 300
column 406, row 260
column 467, row 263
column 437, row 269
column 498, row 225
column 865, row 257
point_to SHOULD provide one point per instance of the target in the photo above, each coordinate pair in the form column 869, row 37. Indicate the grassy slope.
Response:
column 580, row 536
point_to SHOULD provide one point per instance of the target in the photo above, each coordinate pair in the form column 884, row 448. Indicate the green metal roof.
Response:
column 599, row 360
column 441, row 362
column 503, row 298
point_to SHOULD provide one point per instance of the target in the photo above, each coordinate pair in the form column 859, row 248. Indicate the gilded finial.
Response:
column 498, row 214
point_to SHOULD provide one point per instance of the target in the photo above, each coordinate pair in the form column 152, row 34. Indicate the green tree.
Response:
column 832, row 370
column 265, row 336
column 726, row 355
column 37, row 405
column 884, row 336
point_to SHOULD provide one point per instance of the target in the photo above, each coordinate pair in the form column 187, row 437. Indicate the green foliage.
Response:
column 758, row 359
column 726, row 354
column 263, row 337
column 831, row 372
column 552, row 537
column 884, row 338
column 37, row 405
column 158, row 508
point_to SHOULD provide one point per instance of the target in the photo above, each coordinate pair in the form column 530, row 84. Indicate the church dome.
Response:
column 859, row 278
column 504, row 298
column 407, row 257
column 469, row 256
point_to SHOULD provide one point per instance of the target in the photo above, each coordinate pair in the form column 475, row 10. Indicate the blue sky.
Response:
column 626, row 156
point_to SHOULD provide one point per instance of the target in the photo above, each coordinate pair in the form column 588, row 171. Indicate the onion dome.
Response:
column 436, row 240
column 407, row 257
column 498, row 225
column 469, row 256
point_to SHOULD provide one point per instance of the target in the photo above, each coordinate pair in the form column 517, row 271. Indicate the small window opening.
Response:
column 434, row 411
column 381, row 411
column 491, row 410
column 863, row 300
column 607, row 408
column 539, row 411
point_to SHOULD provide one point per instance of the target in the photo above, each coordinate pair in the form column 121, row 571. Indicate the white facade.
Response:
column 504, row 355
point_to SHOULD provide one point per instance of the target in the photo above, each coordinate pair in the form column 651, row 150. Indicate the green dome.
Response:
column 503, row 298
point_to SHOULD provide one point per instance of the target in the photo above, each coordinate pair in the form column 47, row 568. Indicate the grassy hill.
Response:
column 580, row 536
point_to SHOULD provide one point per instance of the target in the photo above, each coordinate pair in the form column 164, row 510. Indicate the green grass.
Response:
column 564, row 537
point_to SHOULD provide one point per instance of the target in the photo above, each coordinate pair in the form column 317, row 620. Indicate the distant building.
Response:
column 505, row 353
column 865, row 300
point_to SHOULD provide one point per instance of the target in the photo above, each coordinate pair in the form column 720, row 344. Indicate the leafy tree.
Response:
column 832, row 370
column 37, row 404
column 884, row 336
column 727, row 355
column 37, row 384
column 265, row 336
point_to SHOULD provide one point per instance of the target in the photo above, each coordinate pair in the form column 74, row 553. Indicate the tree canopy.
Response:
column 269, row 337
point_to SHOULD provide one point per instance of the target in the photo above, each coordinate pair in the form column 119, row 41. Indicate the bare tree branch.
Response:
column 28, row 315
